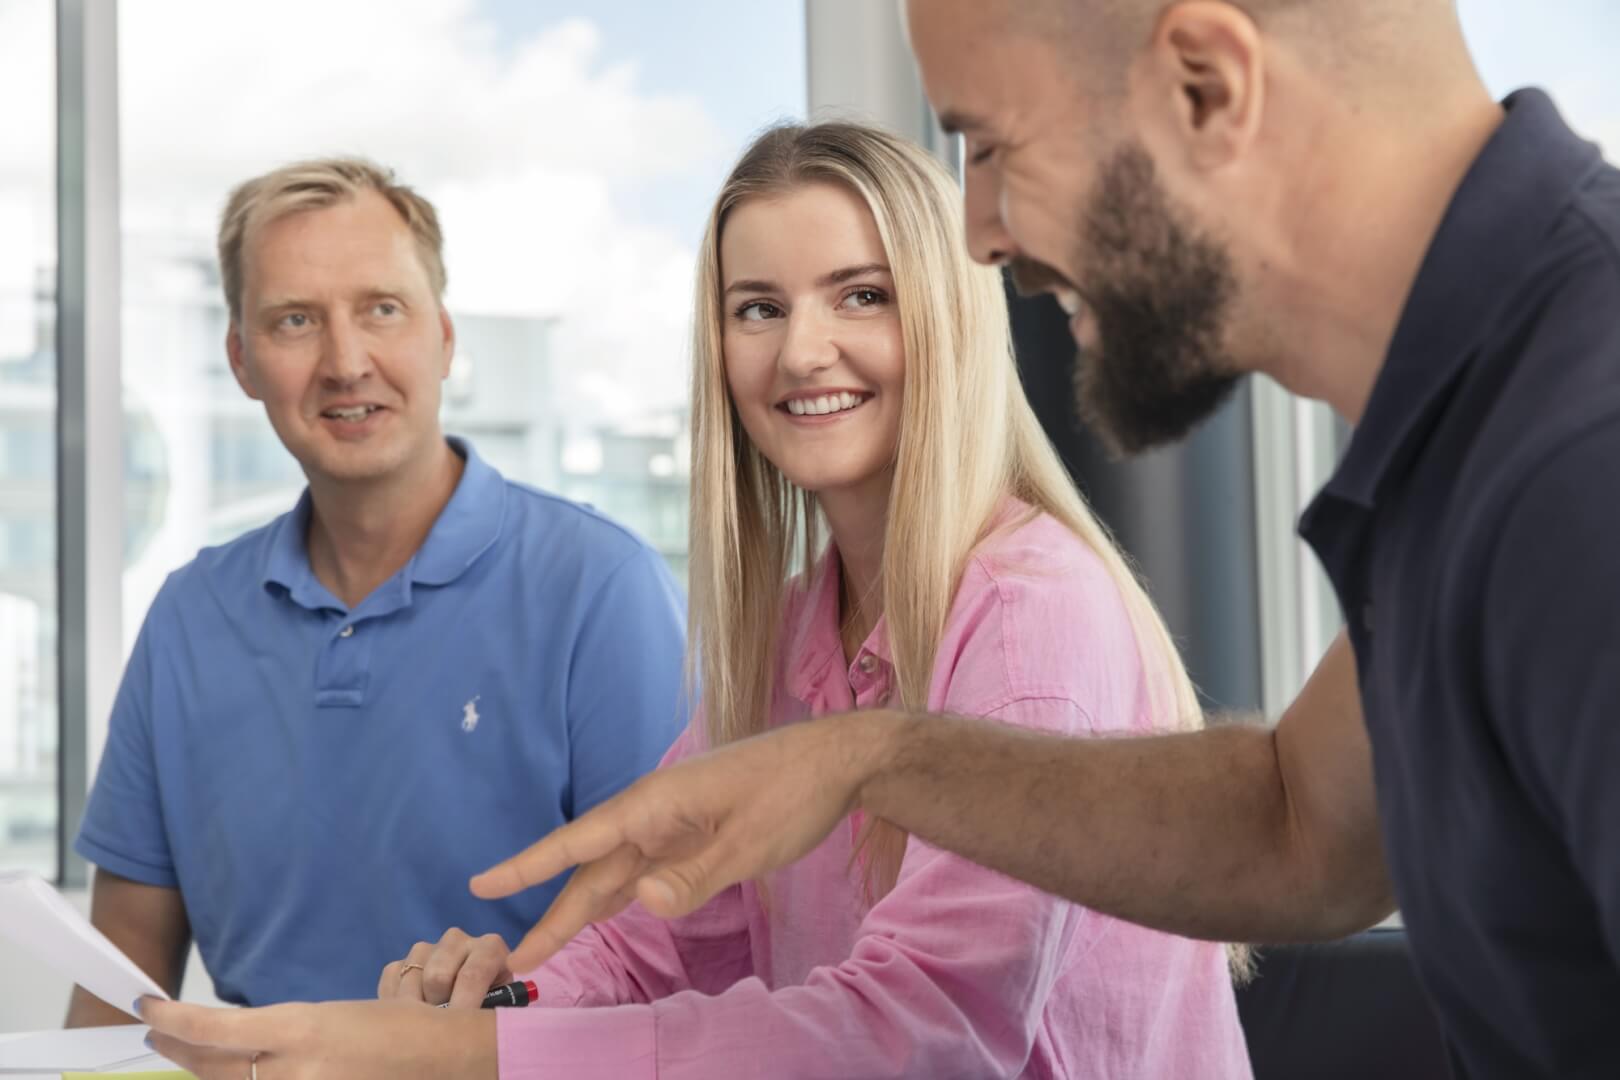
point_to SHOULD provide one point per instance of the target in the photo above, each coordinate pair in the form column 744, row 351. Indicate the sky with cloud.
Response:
column 571, row 147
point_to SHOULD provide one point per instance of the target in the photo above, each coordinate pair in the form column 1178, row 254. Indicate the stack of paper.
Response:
column 89, row 1050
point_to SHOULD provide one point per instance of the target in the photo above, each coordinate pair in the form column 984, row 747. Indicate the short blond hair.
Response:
column 312, row 185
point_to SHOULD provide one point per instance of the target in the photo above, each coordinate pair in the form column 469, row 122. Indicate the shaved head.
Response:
column 1167, row 168
column 1108, row 33
column 1114, row 28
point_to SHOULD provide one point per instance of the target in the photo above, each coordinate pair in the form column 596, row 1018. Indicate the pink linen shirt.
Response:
column 957, row 972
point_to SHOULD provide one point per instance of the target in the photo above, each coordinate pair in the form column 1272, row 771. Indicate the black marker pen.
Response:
column 516, row 994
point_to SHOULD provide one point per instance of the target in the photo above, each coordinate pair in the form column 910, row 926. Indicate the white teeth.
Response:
column 826, row 403
column 1069, row 301
column 359, row 412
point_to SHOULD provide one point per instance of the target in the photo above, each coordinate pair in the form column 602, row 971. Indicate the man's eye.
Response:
column 295, row 320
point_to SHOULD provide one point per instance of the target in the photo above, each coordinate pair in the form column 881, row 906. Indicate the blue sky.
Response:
column 1568, row 47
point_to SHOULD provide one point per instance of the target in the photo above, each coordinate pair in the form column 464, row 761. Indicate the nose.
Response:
column 809, row 345
column 345, row 356
column 988, row 240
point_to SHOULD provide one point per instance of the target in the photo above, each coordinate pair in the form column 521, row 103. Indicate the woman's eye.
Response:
column 864, row 298
column 758, row 311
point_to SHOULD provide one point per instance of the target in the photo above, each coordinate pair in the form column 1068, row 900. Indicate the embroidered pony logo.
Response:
column 469, row 714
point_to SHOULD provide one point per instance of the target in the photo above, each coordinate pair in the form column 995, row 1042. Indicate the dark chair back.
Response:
column 1344, row 1010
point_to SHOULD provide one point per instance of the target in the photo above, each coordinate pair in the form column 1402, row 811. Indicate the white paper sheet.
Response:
column 100, row 1049
column 37, row 919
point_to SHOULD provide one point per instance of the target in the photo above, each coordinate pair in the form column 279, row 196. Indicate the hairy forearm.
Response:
column 1196, row 834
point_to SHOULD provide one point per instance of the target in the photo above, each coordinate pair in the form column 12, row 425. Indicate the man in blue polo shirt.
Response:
column 329, row 723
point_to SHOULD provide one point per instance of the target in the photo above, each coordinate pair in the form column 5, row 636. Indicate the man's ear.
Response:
column 1201, row 82
column 239, row 368
column 447, row 327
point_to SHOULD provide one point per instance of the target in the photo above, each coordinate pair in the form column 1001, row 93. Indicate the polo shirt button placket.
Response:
column 347, row 631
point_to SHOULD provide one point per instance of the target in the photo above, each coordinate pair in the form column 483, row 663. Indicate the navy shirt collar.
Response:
column 468, row 526
column 1522, row 181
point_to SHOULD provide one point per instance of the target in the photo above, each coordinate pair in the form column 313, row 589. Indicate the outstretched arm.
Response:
column 1236, row 833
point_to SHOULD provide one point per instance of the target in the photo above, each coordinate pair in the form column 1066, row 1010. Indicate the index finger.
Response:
column 585, row 839
column 597, row 891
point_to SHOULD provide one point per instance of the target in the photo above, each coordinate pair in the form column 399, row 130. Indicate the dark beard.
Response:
column 1161, row 294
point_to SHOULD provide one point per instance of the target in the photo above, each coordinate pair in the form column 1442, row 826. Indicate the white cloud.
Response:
column 209, row 94
column 529, row 148
column 556, row 244
column 524, row 148
column 27, row 80
column 27, row 163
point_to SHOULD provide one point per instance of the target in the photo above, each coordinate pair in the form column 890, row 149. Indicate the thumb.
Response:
column 200, row 1025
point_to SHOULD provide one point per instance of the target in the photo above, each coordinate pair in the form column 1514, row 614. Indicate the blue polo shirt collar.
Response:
column 1524, row 179
column 466, row 528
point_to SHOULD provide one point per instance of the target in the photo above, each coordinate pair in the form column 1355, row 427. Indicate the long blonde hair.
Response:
column 968, row 439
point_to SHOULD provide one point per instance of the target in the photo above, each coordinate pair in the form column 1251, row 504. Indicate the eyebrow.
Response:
column 282, row 303
column 837, row 277
column 956, row 122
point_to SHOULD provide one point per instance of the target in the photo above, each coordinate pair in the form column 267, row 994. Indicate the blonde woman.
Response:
column 857, row 417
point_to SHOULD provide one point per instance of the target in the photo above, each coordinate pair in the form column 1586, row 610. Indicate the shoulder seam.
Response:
column 1025, row 698
column 1506, row 499
column 571, row 505
column 1609, row 244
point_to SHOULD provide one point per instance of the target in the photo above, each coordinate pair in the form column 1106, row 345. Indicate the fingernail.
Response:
column 148, row 1041
column 136, row 1008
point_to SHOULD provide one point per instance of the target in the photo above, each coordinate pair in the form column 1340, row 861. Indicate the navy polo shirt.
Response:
column 319, row 782
column 1473, row 535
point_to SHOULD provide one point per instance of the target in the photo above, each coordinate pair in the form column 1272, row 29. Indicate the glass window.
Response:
column 28, row 666
column 572, row 149
column 1566, row 49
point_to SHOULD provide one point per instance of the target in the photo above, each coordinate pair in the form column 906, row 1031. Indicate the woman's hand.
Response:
column 459, row 970
column 341, row 1040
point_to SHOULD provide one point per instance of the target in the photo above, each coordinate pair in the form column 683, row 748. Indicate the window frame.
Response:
column 89, row 416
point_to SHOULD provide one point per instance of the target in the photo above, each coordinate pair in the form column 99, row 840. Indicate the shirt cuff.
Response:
column 115, row 863
column 618, row 1042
